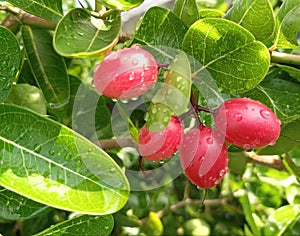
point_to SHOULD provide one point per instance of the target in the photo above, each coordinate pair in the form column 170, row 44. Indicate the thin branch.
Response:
column 189, row 201
column 285, row 58
column 269, row 161
column 108, row 144
column 27, row 18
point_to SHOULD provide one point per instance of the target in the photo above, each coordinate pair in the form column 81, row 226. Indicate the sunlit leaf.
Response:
column 220, row 46
column 51, row 164
column 187, row 11
column 16, row 207
column 120, row 4
column 94, row 225
column 161, row 27
column 257, row 16
column 46, row 9
column 79, row 34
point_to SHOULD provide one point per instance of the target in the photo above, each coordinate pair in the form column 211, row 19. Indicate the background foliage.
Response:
column 54, row 178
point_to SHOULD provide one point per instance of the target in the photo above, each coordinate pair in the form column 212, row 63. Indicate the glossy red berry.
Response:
column 126, row 73
column 247, row 123
column 204, row 157
column 163, row 144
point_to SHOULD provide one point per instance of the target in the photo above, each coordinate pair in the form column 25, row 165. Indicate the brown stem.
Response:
column 189, row 201
column 108, row 144
column 265, row 160
column 27, row 18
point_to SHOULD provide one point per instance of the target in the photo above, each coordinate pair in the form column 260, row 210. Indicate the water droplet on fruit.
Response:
column 246, row 146
column 135, row 61
column 131, row 76
column 217, row 181
column 222, row 172
column 238, row 116
column 265, row 113
column 209, row 140
column 272, row 143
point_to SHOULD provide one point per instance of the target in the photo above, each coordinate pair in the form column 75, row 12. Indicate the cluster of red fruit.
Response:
column 243, row 122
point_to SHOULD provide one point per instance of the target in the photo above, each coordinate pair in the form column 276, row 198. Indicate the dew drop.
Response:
column 217, row 181
column 272, row 143
column 146, row 67
column 238, row 116
column 209, row 140
column 51, row 152
column 222, row 172
column 265, row 113
column 246, row 146
column 135, row 61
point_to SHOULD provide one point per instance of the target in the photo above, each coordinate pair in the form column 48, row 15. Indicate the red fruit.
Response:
column 204, row 157
column 247, row 123
column 163, row 144
column 126, row 73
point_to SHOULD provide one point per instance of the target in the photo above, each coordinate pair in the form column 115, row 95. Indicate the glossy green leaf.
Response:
column 257, row 16
column 10, row 59
column 282, row 96
column 290, row 25
column 292, row 71
column 79, row 34
column 187, row 11
column 16, row 207
column 90, row 114
column 28, row 96
column 48, row 68
column 51, row 164
column 124, row 5
column 176, row 91
column 93, row 225
column 205, row 13
column 247, row 209
column 282, row 219
column 153, row 225
column 220, row 46
column 289, row 138
column 291, row 167
column 46, row 9
column 285, row 7
column 221, row 5
column 160, row 26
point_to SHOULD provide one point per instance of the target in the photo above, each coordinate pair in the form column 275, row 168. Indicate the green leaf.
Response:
column 187, row 11
column 292, row 71
column 153, row 225
column 79, row 34
column 123, row 5
column 290, row 25
column 93, row 225
column 229, row 52
column 285, row 7
column 16, row 207
column 257, row 16
column 10, row 60
column 221, row 5
column 90, row 114
column 205, row 13
column 175, row 92
column 160, row 26
column 291, row 167
column 46, row 9
column 28, row 96
column 51, row 164
column 289, row 138
column 282, row 219
column 48, row 68
column 282, row 96
column 247, row 209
